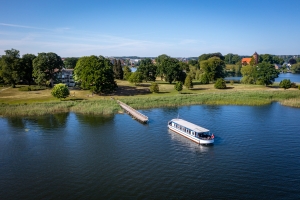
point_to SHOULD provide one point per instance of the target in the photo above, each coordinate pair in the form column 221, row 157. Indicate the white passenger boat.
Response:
column 192, row 131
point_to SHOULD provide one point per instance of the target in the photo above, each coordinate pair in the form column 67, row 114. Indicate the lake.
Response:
column 256, row 155
column 293, row 77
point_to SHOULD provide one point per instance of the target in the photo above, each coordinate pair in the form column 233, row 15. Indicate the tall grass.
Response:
column 108, row 107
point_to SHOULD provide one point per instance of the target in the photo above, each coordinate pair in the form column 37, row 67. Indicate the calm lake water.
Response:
column 256, row 155
column 293, row 77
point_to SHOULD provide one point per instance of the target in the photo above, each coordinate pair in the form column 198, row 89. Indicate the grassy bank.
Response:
column 19, row 103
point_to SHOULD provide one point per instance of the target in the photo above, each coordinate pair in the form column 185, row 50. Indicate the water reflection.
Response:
column 16, row 122
column 94, row 120
column 188, row 143
column 58, row 120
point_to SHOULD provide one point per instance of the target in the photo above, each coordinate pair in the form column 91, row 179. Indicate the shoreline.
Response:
column 109, row 107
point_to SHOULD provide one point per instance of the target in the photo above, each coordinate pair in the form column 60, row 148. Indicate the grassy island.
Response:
column 29, row 103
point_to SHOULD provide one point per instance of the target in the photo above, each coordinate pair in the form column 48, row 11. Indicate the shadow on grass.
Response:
column 199, row 88
column 228, row 88
column 273, row 86
column 163, row 92
column 130, row 91
column 187, row 93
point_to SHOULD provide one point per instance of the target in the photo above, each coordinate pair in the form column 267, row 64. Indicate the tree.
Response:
column 194, row 63
column 70, row 63
column 231, row 58
column 118, row 70
column 178, row 86
column 188, row 82
column 60, row 91
column 136, row 77
column 220, row 84
column 27, row 67
column 154, row 88
column 96, row 74
column 126, row 72
column 295, row 68
column 169, row 68
column 285, row 83
column 252, row 61
column 266, row 73
column 249, row 74
column 210, row 55
column 214, row 68
column 148, row 69
column 204, row 79
column 11, row 71
column 292, row 61
column 49, row 64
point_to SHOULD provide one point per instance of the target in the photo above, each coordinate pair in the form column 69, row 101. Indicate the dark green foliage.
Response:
column 60, row 91
column 184, row 66
column 249, row 74
column 169, row 68
column 266, row 73
column 214, row 68
column 154, row 88
column 120, row 72
column 27, row 67
column 295, row 68
column 294, row 85
column 188, row 82
column 178, row 86
column 136, row 77
column 272, row 59
column 32, row 88
column 210, row 55
column 194, row 63
column 10, row 67
column 220, row 84
column 204, row 79
column 96, row 74
column 148, row 69
column 232, row 58
column 292, row 61
column 127, row 72
column 45, row 66
column 285, row 83
column 70, row 63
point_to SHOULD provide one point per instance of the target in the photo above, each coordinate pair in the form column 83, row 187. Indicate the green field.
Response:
column 29, row 103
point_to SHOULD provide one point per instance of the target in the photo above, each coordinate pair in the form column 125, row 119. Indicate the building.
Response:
column 66, row 76
column 246, row 61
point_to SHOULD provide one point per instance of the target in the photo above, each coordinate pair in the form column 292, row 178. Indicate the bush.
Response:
column 154, row 88
column 231, row 82
column 220, row 84
column 299, row 87
column 293, row 85
column 60, row 91
column 188, row 82
column 204, row 79
column 285, row 83
column 178, row 86
column 32, row 88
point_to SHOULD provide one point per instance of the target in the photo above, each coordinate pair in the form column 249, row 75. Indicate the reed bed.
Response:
column 109, row 107
column 291, row 102
column 34, row 109
column 96, row 107
column 252, row 98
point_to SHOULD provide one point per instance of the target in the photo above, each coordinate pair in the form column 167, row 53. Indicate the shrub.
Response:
column 220, row 84
column 204, row 79
column 188, row 82
column 60, row 91
column 154, row 88
column 293, row 85
column 25, row 88
column 178, row 86
column 299, row 87
column 285, row 83
column 231, row 82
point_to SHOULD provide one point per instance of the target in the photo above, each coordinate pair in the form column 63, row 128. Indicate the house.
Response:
column 66, row 76
column 277, row 66
column 246, row 61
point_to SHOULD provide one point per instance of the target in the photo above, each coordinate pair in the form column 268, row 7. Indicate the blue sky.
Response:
column 150, row 28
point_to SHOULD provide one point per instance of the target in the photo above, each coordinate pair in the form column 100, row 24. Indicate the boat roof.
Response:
column 190, row 125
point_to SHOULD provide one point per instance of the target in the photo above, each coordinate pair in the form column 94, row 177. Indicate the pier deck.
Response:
column 134, row 113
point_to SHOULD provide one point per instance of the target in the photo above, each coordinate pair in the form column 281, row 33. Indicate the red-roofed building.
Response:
column 246, row 61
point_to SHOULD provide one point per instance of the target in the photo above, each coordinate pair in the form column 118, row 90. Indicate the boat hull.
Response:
column 194, row 139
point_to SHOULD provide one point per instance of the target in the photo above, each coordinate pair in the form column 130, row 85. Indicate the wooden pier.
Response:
column 134, row 113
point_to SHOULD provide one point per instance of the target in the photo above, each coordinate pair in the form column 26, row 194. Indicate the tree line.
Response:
column 98, row 73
